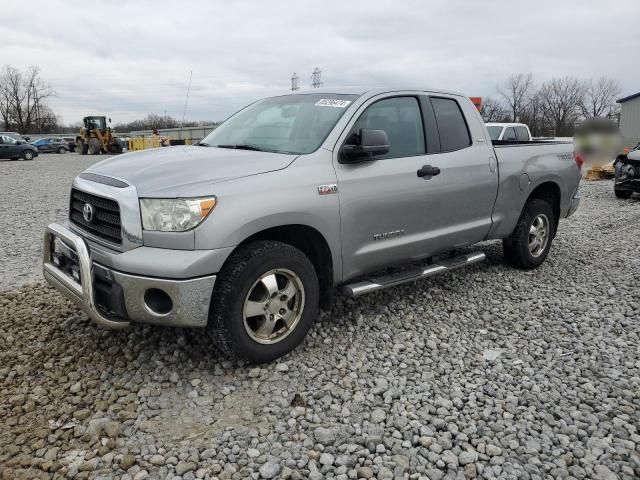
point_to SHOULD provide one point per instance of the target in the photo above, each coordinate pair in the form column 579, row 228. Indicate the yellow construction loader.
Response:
column 96, row 137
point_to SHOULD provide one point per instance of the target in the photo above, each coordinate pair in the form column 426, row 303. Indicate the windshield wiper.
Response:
column 202, row 144
column 242, row 146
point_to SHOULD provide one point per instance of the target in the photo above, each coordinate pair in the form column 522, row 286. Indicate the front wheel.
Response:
column 264, row 301
column 529, row 244
column 94, row 146
column 27, row 155
column 62, row 150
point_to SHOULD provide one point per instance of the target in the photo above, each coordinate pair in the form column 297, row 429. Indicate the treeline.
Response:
column 153, row 121
column 23, row 101
column 554, row 107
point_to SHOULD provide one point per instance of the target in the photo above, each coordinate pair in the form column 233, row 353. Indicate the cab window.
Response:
column 401, row 119
column 509, row 134
column 452, row 127
column 522, row 134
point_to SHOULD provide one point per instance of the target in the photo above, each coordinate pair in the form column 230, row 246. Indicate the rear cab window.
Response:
column 509, row 134
column 452, row 126
column 523, row 134
column 494, row 132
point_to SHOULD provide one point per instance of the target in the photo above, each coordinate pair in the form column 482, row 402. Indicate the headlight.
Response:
column 174, row 214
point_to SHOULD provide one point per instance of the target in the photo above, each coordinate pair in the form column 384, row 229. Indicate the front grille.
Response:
column 106, row 219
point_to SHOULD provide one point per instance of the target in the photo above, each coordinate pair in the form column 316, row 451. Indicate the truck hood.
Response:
column 170, row 171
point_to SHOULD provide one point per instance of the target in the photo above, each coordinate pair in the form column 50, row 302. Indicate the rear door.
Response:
column 462, row 196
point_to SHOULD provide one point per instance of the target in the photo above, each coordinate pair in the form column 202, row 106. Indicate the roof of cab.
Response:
column 354, row 90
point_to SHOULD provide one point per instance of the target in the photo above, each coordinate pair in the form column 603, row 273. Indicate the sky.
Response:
column 128, row 58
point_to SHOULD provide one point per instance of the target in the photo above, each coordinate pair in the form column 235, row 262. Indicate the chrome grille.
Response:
column 105, row 223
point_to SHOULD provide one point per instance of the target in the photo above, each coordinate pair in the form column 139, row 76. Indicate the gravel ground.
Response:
column 488, row 373
column 34, row 193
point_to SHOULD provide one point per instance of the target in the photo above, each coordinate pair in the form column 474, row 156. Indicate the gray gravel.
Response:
column 487, row 373
column 32, row 195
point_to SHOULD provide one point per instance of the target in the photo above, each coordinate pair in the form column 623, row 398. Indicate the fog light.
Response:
column 75, row 273
column 158, row 301
column 58, row 259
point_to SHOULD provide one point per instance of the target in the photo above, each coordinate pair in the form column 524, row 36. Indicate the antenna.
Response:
column 316, row 78
column 295, row 83
column 184, row 112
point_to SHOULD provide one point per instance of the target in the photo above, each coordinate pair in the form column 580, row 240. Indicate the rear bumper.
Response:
column 113, row 299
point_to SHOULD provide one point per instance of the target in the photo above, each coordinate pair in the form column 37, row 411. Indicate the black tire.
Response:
column 622, row 193
column 94, row 146
column 516, row 247
column 82, row 147
column 236, row 280
column 62, row 150
column 28, row 155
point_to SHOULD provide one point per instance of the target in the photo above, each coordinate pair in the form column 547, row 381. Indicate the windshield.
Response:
column 289, row 124
column 494, row 132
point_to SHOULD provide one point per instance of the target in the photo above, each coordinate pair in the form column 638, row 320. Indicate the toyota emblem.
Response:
column 88, row 212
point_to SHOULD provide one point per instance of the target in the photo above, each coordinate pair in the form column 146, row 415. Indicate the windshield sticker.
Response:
column 332, row 102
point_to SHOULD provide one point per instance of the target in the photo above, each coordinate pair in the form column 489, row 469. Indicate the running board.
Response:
column 385, row 281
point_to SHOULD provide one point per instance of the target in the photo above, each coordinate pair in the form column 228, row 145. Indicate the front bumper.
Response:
column 112, row 298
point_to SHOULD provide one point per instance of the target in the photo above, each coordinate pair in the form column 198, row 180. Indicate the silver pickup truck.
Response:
column 295, row 198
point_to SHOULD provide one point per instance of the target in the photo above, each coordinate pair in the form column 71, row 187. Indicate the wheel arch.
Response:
column 312, row 243
column 549, row 191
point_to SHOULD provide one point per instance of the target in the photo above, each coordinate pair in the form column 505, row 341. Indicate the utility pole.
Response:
column 316, row 78
column 295, row 83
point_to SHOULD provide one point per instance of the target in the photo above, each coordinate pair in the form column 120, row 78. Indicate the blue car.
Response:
column 51, row 145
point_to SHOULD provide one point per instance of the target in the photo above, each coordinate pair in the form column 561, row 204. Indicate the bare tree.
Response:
column 22, row 98
column 492, row 110
column 516, row 91
column 560, row 102
column 599, row 97
column 533, row 115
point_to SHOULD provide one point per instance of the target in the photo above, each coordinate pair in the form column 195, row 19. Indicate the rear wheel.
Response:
column 27, row 155
column 264, row 301
column 94, row 146
column 529, row 244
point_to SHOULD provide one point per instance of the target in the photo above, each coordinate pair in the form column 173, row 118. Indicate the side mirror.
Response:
column 19, row 142
column 369, row 143
column 109, row 120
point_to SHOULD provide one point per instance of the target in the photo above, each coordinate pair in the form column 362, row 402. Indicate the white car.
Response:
column 509, row 131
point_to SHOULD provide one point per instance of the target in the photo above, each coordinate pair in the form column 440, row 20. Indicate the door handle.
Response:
column 427, row 171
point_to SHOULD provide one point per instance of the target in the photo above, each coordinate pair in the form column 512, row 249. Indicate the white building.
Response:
column 630, row 119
